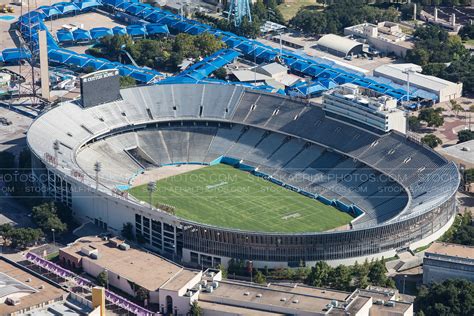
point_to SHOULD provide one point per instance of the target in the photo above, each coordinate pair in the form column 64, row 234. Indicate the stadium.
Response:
column 253, row 176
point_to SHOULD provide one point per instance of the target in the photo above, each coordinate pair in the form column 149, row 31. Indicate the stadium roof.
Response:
column 338, row 43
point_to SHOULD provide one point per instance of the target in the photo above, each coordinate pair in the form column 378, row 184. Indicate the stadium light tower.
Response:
column 238, row 9
column 151, row 187
column 97, row 169
column 408, row 71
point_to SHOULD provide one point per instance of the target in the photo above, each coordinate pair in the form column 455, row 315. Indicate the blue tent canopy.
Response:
column 49, row 11
column 154, row 28
column 66, row 7
column 345, row 78
column 155, row 16
column 59, row 56
column 81, row 35
column 146, row 12
column 197, row 29
column 78, row 60
column 300, row 65
column 136, row 30
column 31, row 17
column 15, row 54
column 118, row 30
column 182, row 26
column 1, row 58
column 98, row 32
column 135, row 9
column 124, row 5
column 64, row 36
column 142, row 76
column 246, row 47
column 83, row 5
column 95, row 63
column 113, row 2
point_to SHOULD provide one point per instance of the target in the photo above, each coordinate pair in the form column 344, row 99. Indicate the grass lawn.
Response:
column 224, row 196
column 469, row 42
column 289, row 10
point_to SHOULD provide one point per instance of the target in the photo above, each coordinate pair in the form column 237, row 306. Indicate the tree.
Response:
column 141, row 293
column 431, row 116
column 46, row 217
column 220, row 73
column 455, row 107
column 223, row 271
column 469, row 175
column 431, row 140
column 319, row 274
column 260, row 278
column 101, row 279
column 413, row 123
column 195, row 309
column 127, row 231
column 452, row 297
column 127, row 81
column 465, row 135
column 340, row 278
column 23, row 237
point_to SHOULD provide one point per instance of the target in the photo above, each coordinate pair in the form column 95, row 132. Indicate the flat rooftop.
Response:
column 463, row 152
column 267, row 297
column 28, row 288
column 145, row 269
column 452, row 250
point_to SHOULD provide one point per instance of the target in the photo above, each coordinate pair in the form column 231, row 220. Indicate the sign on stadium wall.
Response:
column 100, row 87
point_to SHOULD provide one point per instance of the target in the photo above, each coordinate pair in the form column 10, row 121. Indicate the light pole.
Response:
column 151, row 187
column 54, row 237
column 404, row 279
column 56, row 149
column 97, row 169
column 407, row 72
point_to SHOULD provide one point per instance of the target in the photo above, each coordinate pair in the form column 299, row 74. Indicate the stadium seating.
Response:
column 292, row 142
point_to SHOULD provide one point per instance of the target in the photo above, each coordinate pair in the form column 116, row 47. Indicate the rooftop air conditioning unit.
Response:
column 124, row 246
column 259, row 295
column 13, row 301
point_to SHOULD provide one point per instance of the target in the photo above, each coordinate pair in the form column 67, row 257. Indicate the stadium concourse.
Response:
column 401, row 193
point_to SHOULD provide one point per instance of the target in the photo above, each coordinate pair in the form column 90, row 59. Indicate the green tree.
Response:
column 319, row 274
column 414, row 123
column 452, row 297
column 195, row 309
column 127, row 81
column 340, row 278
column 431, row 140
column 455, row 107
column 260, row 278
column 101, row 279
column 220, row 73
column 465, row 135
column 127, row 231
column 23, row 237
column 46, row 217
column 469, row 175
column 223, row 271
column 432, row 117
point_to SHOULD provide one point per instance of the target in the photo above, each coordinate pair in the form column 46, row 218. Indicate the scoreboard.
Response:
column 99, row 87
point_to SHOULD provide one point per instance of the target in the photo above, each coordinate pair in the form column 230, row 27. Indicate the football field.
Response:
column 224, row 196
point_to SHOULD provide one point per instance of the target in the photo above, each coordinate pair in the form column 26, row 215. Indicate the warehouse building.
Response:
column 399, row 73
column 448, row 261
column 339, row 46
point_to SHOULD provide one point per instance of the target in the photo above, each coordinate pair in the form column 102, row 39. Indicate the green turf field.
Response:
column 224, row 196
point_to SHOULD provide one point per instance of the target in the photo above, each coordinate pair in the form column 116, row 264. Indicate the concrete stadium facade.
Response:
column 422, row 210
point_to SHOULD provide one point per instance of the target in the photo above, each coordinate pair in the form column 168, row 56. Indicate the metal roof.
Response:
column 338, row 43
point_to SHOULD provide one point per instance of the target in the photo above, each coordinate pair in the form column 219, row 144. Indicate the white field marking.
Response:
column 294, row 215
column 213, row 186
